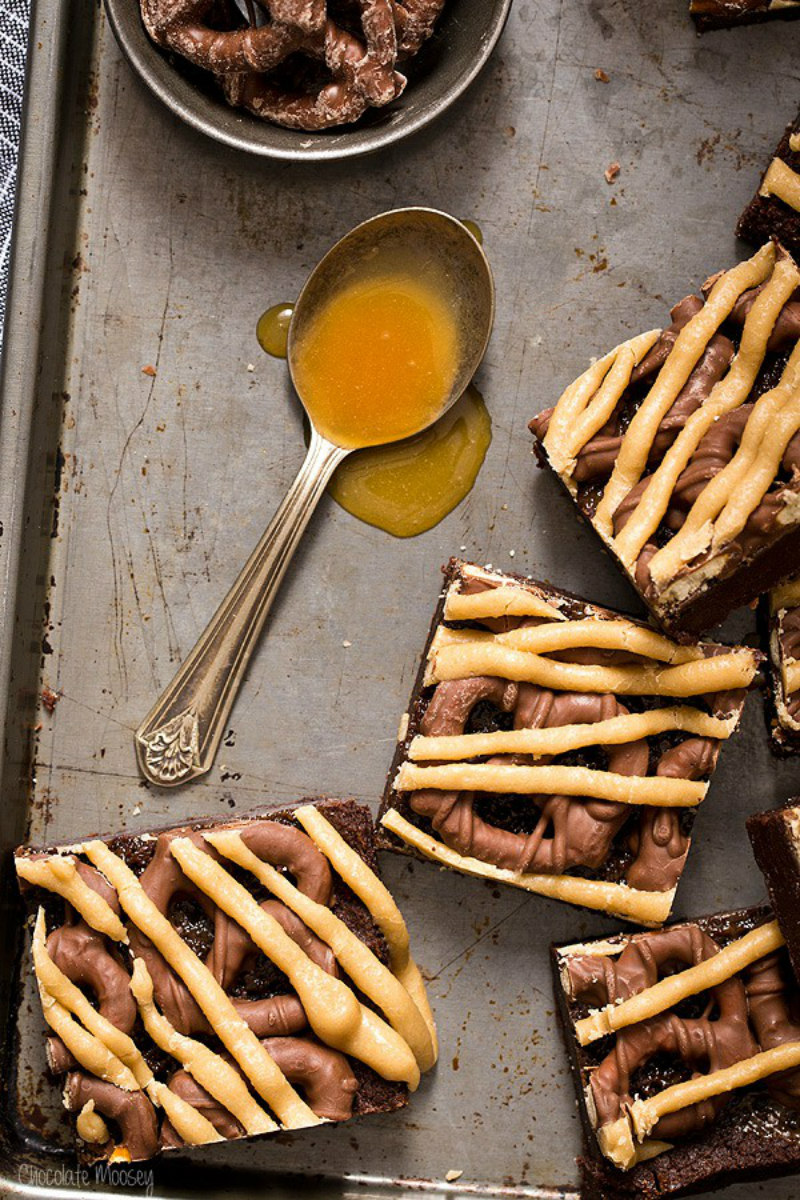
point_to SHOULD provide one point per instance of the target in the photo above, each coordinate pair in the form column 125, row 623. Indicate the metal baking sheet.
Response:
column 129, row 500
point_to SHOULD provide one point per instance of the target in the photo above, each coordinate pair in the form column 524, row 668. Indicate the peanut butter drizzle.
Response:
column 209, row 1069
column 689, row 346
column 715, row 674
column 728, row 394
column 55, row 984
column 503, row 601
column 333, row 1011
column 669, row 992
column 648, row 908
column 362, row 966
column 90, row 1125
column 103, row 1041
column 378, row 901
column 725, row 503
column 790, row 674
column 602, row 404
column 645, row 1114
column 782, row 182
column 260, row 1068
column 656, row 790
column 785, row 596
column 59, row 874
column 588, row 402
column 598, row 634
column 562, row 739
column 191, row 1125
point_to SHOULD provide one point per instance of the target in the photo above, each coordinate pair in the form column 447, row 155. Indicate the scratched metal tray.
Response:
column 128, row 500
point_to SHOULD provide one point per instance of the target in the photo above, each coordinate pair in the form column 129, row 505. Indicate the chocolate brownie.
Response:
column 681, row 447
column 224, row 980
column 780, row 620
column 685, row 1050
column 774, row 211
column 724, row 14
column 775, row 836
column 557, row 746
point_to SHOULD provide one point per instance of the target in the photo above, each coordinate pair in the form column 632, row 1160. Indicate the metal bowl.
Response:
column 446, row 65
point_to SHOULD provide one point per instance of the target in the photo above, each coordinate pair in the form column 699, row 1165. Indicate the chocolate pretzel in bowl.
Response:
column 302, row 64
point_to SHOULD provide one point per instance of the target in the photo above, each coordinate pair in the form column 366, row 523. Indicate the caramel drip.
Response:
column 362, row 966
column 561, row 780
column 333, row 1011
column 735, row 669
column 782, row 182
column 60, row 874
column 589, row 401
column 210, row 1070
column 689, row 346
column 503, row 601
column 647, row 908
column 727, row 395
column 564, row 738
column 233, row 1032
column 670, row 991
column 378, row 900
column 722, row 509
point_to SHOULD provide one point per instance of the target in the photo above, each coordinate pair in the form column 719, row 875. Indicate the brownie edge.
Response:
column 775, row 837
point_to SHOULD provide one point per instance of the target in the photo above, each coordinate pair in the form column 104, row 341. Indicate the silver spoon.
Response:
column 178, row 739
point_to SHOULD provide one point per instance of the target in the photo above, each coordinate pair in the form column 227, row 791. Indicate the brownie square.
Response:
column 684, row 1046
column 680, row 447
column 774, row 211
column 557, row 746
column 775, row 836
column 724, row 14
column 224, row 979
column 780, row 620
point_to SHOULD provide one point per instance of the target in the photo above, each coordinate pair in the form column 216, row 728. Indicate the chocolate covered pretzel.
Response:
column 303, row 64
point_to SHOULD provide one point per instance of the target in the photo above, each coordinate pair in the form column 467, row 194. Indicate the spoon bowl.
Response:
column 441, row 250
column 178, row 739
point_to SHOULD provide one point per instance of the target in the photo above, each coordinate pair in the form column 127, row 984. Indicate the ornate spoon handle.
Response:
column 178, row 739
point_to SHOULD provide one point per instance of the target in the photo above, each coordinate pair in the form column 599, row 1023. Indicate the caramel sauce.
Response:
column 474, row 228
column 379, row 360
column 408, row 487
column 272, row 329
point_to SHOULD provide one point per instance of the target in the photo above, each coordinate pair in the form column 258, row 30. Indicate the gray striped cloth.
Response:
column 14, row 21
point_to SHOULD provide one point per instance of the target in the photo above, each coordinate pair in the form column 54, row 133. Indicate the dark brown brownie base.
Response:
column 753, row 1138
column 739, row 587
column 354, row 822
column 768, row 217
column 776, row 859
column 783, row 742
column 733, row 13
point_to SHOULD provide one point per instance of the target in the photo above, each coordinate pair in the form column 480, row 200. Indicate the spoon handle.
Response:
column 178, row 739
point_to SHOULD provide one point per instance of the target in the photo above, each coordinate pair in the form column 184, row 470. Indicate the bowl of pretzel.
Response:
column 308, row 79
